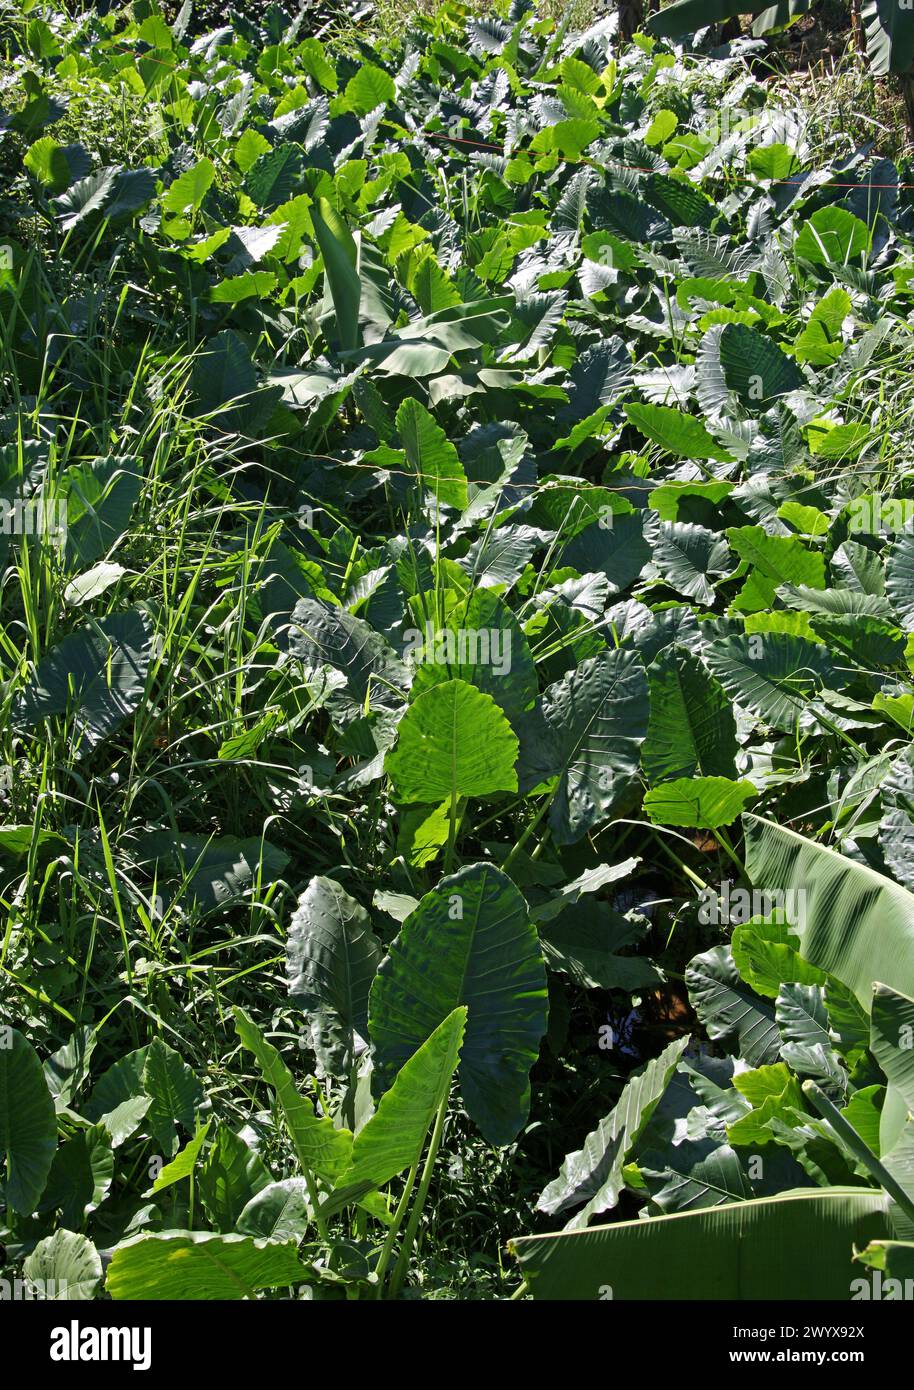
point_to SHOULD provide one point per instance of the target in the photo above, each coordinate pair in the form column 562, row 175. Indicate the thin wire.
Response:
column 498, row 149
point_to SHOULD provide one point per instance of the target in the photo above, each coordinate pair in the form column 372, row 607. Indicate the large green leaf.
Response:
column 230, row 1176
column 782, row 559
column 100, row 496
column 182, row 1265
column 189, row 189
column 28, row 1123
column 86, row 197
column 755, row 367
column 729, row 1010
column 469, row 941
column 482, row 643
column 325, row 636
column 801, row 1245
column 678, row 433
column 694, row 1174
column 96, row 675
column 431, row 455
column 332, row 955
column 279, row 1211
column 341, row 264
column 692, row 728
column 698, row 802
column 773, row 675
column 592, row 1175
column 832, row 236
column 587, row 729
column 892, row 1044
column 394, row 1137
column 370, row 86
column 690, row 559
column 65, row 1266
column 319, row 1146
column 892, row 1039
column 685, row 16
column 889, row 36
column 855, row 924
column 899, row 578
column 176, row 1094
column 453, row 742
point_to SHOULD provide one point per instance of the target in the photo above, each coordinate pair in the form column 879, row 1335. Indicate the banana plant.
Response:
column 827, row 1098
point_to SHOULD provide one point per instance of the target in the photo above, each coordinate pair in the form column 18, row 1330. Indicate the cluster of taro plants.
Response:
column 456, row 649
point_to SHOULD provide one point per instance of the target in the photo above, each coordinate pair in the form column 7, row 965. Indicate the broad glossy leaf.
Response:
column 453, row 742
column 583, row 943
column 189, row 189
column 394, row 1137
column 755, row 367
column 692, row 1175
column 690, row 559
column 729, row 1010
column 64, row 1265
column 832, row 235
column 175, row 1091
column 587, row 729
column 28, row 1123
column 856, row 925
column 341, row 265
column 97, row 676
column 899, row 578
column 332, row 956
column 483, row 645
column 319, row 1146
column 173, row 1265
column 470, row 941
column 803, row 1243
column 371, row 86
column 431, row 455
column 322, row 635
column 773, row 675
column 698, row 802
column 593, row 1174
column 889, row 36
column 230, row 1176
column 678, row 433
column 279, row 1211
column 692, row 728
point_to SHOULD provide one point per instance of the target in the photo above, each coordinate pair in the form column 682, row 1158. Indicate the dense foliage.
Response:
column 456, row 647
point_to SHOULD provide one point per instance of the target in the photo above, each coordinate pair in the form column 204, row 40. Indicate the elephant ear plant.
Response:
column 816, row 1095
column 456, row 651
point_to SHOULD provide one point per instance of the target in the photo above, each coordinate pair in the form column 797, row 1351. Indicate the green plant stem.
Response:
column 387, row 1251
column 319, row 1220
column 723, row 839
column 452, row 835
column 547, row 802
column 861, row 1151
column 400, row 1268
